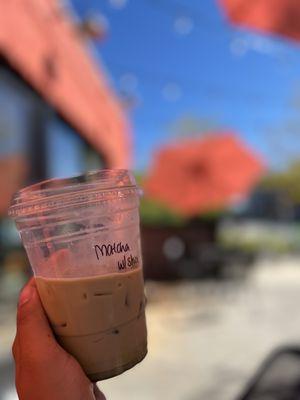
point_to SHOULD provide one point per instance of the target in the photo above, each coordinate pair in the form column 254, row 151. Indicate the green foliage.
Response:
column 156, row 214
column 139, row 177
column 212, row 215
column 288, row 181
column 191, row 126
column 256, row 237
column 153, row 213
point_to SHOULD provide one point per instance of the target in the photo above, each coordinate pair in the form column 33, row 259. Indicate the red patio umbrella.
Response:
column 281, row 17
column 200, row 175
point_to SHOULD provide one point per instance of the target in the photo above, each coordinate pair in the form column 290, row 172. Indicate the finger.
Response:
column 33, row 330
column 16, row 352
column 98, row 395
column 15, row 348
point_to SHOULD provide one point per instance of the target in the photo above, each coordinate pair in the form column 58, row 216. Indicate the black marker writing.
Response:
column 110, row 249
column 128, row 262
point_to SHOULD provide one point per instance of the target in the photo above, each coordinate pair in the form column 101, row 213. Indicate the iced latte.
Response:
column 84, row 246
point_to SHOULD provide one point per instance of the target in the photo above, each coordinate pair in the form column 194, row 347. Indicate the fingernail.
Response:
column 25, row 295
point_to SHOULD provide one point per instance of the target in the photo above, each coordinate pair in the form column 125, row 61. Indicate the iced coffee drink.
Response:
column 100, row 320
column 88, row 268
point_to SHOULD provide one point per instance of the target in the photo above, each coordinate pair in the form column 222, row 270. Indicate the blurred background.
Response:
column 202, row 101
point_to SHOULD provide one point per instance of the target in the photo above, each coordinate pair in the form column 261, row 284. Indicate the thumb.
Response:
column 98, row 395
column 33, row 330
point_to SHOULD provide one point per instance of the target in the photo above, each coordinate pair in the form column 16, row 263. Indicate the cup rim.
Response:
column 91, row 186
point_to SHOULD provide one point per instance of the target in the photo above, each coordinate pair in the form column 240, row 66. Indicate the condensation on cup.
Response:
column 82, row 238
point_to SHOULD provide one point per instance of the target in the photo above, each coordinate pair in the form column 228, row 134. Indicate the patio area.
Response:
column 205, row 338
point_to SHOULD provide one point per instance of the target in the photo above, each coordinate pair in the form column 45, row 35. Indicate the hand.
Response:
column 44, row 370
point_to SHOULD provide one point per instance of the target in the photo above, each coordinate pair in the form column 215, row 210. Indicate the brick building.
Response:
column 58, row 114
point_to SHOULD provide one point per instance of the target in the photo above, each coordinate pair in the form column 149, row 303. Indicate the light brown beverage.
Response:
column 99, row 320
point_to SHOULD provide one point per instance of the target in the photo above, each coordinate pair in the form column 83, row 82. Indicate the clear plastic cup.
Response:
column 82, row 238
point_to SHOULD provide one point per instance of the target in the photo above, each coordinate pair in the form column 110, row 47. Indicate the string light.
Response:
column 118, row 4
column 183, row 25
column 128, row 82
column 212, row 90
column 238, row 46
column 180, row 10
column 171, row 92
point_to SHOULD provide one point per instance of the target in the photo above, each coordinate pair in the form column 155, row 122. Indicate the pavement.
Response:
column 7, row 332
column 206, row 338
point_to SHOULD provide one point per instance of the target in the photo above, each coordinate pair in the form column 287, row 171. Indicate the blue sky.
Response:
column 232, row 78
